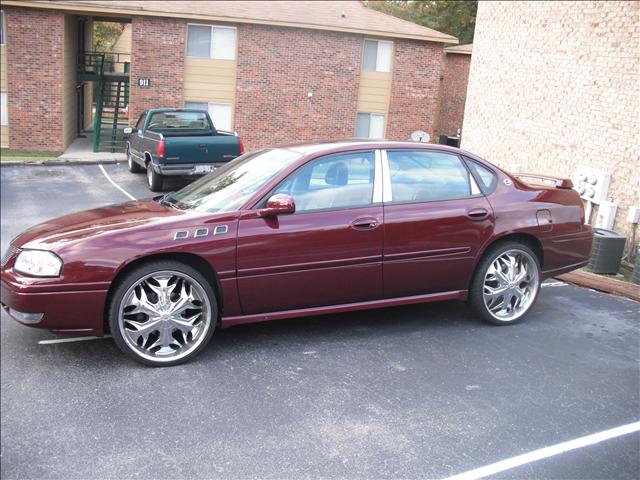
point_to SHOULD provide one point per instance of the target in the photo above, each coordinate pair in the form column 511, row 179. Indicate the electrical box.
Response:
column 606, row 215
column 592, row 184
column 634, row 215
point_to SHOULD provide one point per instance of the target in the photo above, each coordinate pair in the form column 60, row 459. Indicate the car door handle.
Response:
column 364, row 223
column 478, row 213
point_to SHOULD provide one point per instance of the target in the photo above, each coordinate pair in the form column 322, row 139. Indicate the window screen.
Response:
column 220, row 114
column 4, row 114
column 377, row 56
column 198, row 41
column 205, row 41
column 370, row 125
column 224, row 43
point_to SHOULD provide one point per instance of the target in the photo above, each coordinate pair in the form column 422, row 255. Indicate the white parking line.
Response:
column 554, row 284
column 114, row 183
column 69, row 340
column 547, row 452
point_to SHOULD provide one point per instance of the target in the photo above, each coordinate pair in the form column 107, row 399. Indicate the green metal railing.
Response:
column 110, row 71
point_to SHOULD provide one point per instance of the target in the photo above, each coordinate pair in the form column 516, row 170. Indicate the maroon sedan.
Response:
column 296, row 231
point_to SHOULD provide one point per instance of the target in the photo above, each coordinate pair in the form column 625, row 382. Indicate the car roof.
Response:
column 334, row 146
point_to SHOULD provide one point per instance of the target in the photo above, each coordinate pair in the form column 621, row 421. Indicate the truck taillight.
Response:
column 161, row 148
column 241, row 147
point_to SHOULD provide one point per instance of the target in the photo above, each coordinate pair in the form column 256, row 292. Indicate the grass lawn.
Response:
column 12, row 155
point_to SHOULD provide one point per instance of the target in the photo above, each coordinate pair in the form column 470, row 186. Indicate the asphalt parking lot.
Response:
column 423, row 391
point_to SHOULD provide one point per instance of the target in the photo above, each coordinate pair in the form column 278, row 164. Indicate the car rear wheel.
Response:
column 163, row 313
column 506, row 283
column 154, row 180
column 133, row 165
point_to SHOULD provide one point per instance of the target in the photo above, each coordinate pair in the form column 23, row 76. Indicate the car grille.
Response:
column 11, row 251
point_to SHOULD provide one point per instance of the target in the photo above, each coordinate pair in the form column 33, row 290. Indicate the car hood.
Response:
column 98, row 221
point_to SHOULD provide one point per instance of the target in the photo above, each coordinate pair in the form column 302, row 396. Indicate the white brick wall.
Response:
column 557, row 84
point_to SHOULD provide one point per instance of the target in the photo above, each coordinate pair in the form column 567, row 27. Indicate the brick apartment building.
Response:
column 455, row 78
column 274, row 72
column 556, row 85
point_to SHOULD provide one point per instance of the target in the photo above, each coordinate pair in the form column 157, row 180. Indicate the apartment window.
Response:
column 4, row 116
column 370, row 125
column 1, row 27
column 206, row 41
column 221, row 113
column 377, row 56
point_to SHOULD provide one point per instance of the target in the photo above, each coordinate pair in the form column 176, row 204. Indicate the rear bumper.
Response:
column 73, row 311
column 186, row 169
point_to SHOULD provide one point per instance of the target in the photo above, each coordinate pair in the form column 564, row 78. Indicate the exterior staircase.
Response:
column 111, row 76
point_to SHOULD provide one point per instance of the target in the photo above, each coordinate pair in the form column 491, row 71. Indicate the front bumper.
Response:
column 186, row 169
column 63, row 311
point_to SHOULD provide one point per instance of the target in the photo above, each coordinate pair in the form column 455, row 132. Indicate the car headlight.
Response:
column 39, row 263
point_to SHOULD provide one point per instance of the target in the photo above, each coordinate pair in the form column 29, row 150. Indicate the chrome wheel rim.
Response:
column 164, row 316
column 510, row 285
column 129, row 161
column 149, row 174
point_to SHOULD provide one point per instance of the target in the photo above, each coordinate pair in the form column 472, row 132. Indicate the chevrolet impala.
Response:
column 296, row 231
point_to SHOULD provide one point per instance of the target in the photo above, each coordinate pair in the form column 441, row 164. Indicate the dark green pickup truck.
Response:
column 178, row 142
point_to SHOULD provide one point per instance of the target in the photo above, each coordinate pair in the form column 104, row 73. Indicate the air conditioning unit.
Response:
column 635, row 278
column 608, row 248
column 592, row 184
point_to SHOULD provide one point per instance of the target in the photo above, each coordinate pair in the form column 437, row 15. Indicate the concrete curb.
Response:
column 58, row 162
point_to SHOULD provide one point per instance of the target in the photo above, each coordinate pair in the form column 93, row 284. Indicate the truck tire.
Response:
column 154, row 180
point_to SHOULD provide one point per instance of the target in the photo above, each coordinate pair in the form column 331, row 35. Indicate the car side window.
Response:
column 332, row 182
column 140, row 123
column 424, row 176
column 485, row 177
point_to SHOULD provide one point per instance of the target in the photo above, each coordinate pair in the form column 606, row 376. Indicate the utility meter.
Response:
column 592, row 184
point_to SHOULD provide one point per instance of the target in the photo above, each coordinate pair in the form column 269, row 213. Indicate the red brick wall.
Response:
column 454, row 92
column 34, row 48
column 158, row 53
column 278, row 67
column 417, row 68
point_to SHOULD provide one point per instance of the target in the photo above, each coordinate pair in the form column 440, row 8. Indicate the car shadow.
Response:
column 364, row 325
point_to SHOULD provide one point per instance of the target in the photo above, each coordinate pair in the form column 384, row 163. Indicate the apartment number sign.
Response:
column 144, row 82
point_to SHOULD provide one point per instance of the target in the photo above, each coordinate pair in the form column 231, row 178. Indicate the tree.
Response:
column 105, row 35
column 455, row 17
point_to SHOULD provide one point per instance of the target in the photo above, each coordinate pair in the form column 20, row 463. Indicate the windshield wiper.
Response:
column 165, row 201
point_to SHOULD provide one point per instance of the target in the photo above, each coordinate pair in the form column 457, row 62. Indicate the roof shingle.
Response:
column 351, row 16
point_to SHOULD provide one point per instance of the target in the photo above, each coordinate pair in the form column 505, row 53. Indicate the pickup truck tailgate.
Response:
column 203, row 149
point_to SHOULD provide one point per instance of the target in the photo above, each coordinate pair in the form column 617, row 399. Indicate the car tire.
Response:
column 154, row 179
column 163, row 313
column 133, row 165
column 505, row 284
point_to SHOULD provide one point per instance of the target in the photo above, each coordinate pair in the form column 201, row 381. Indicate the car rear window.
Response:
column 485, row 177
column 176, row 121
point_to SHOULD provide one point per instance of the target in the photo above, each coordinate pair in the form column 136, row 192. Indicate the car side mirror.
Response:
column 128, row 131
column 279, row 204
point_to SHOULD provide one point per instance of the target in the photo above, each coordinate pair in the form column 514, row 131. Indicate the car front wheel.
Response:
column 163, row 313
column 154, row 180
column 506, row 283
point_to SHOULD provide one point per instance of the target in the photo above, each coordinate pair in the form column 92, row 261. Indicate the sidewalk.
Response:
column 80, row 152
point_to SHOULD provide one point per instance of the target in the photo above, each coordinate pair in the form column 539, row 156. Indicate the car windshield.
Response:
column 178, row 121
column 229, row 187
